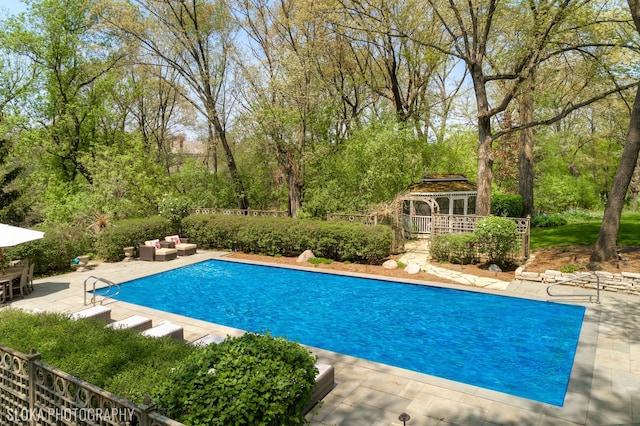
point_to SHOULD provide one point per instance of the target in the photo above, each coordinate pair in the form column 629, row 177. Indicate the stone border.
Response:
column 624, row 282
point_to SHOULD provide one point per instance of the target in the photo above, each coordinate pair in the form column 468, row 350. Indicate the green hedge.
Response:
column 341, row 241
column 507, row 205
column 497, row 238
column 455, row 248
column 60, row 245
column 130, row 232
column 249, row 380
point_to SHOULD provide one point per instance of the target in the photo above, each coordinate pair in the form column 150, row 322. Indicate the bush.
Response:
column 497, row 237
column 340, row 241
column 120, row 361
column 507, row 205
column 455, row 248
column 547, row 221
column 130, row 232
column 55, row 251
column 253, row 379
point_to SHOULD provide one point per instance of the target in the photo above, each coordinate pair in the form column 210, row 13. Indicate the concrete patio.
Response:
column 603, row 390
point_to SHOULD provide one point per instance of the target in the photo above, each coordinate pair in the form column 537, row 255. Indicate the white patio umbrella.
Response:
column 12, row 236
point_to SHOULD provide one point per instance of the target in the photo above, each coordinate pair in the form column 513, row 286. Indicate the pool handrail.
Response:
column 590, row 296
column 107, row 295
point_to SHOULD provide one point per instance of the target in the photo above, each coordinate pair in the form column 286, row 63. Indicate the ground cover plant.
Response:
column 120, row 361
column 253, row 379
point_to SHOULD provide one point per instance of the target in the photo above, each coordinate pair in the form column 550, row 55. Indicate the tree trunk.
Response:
column 485, row 141
column 243, row 201
column 525, row 156
column 605, row 247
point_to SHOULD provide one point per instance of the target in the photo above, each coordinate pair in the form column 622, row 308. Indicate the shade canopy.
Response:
column 13, row 235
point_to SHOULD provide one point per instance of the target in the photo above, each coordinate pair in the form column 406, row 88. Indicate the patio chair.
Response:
column 184, row 247
column 32, row 266
column 152, row 251
column 20, row 285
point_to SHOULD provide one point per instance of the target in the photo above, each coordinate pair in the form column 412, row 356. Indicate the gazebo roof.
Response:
column 443, row 183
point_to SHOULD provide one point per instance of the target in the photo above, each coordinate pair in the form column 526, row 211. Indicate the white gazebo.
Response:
column 436, row 194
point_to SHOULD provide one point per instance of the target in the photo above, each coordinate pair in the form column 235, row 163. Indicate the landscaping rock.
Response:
column 390, row 264
column 412, row 268
column 305, row 256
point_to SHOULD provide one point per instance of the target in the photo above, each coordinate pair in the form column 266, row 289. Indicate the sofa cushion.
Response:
column 173, row 238
column 152, row 243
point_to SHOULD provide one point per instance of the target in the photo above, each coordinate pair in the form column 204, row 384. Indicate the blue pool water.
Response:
column 517, row 346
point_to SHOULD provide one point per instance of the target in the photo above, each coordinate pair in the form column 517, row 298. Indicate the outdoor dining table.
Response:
column 7, row 277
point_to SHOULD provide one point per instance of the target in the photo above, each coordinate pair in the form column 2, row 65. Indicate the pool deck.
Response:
column 604, row 388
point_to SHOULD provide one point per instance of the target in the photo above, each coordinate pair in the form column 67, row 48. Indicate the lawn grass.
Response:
column 586, row 233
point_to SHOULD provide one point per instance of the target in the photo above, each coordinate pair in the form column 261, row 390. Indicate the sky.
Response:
column 12, row 6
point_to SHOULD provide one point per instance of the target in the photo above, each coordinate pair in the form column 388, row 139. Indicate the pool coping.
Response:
column 367, row 392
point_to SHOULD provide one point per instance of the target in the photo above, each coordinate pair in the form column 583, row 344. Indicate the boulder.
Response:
column 412, row 268
column 305, row 256
column 390, row 264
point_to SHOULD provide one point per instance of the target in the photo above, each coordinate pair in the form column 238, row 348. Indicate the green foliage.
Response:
column 454, row 248
column 315, row 261
column 372, row 166
column 497, row 237
column 507, row 205
column 130, row 232
column 195, row 182
column 174, row 209
column 252, row 380
column 9, row 188
column 120, row 361
column 547, row 221
column 340, row 241
column 54, row 252
column 570, row 269
column 559, row 193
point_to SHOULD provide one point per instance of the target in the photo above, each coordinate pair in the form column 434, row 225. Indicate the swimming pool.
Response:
column 516, row 346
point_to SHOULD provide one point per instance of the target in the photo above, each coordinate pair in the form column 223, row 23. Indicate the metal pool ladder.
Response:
column 113, row 289
column 590, row 296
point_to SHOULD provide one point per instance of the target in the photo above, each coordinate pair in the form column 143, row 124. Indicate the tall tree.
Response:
column 193, row 37
column 475, row 34
column 605, row 247
column 285, row 97
column 74, row 55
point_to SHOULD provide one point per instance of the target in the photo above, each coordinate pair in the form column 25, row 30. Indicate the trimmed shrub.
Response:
column 130, row 232
column 547, row 221
column 253, row 379
column 54, row 252
column 340, row 241
column 455, row 248
column 507, row 205
column 497, row 237
column 120, row 361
